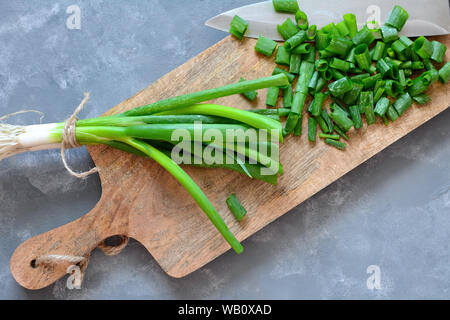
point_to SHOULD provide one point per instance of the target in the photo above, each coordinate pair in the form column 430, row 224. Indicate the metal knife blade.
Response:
column 425, row 17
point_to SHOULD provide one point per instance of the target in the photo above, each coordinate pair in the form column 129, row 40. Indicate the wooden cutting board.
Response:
column 142, row 201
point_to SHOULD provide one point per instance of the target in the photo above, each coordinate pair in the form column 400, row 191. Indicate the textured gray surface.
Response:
column 393, row 211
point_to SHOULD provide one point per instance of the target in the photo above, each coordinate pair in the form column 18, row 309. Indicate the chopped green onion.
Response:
column 352, row 96
column 337, row 144
column 302, row 20
column 340, row 117
column 360, row 77
column 397, row 18
column 399, row 47
column 310, row 56
column 298, row 127
column 238, row 27
column 366, row 102
column 331, row 29
column 313, row 83
column 343, row 29
column 321, row 82
column 317, row 105
column 423, row 47
column 382, row 106
column 363, row 36
column 378, row 51
column 287, row 96
column 322, row 124
column 339, row 46
column 406, row 41
column 350, row 21
column 250, row 95
column 236, row 207
column 355, row 114
column 389, row 34
column 295, row 41
column 420, row 84
column 444, row 73
column 402, row 103
column 393, row 88
column 392, row 113
column 417, row 65
column 265, row 46
column 312, row 129
column 294, row 64
column 287, row 29
column 329, row 136
column 321, row 65
column 362, row 57
column 302, row 49
column 406, row 65
column 312, row 31
column 272, row 96
column 341, row 86
column 438, row 52
column 371, row 81
column 339, row 64
column 422, row 99
column 290, row 6
column 322, row 40
column 378, row 94
column 283, row 56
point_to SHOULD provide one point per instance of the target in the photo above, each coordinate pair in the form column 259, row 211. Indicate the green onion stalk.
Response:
column 148, row 131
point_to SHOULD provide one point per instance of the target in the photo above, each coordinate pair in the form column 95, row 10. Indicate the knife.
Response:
column 426, row 17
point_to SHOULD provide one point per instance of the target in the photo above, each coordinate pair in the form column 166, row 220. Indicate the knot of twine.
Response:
column 81, row 261
column 69, row 139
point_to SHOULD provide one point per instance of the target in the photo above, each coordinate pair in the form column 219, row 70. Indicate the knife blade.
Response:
column 425, row 17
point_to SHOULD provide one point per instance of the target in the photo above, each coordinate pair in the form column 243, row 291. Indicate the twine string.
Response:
column 69, row 140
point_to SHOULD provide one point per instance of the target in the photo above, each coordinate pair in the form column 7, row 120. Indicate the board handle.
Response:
column 44, row 259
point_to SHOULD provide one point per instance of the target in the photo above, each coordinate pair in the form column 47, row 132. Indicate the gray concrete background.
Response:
column 393, row 211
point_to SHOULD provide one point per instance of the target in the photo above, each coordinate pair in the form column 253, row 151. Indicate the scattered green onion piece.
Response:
column 378, row 94
column 322, row 124
column 336, row 74
column 337, row 144
column 350, row 21
column 419, row 85
column 389, row 34
column 378, row 51
column 399, row 47
column 290, row 6
column 321, row 65
column 417, row 65
column 302, row 49
column 382, row 106
column 340, row 87
column 295, row 40
column 321, row 82
column 402, row 78
column 438, row 52
column 422, row 99
column 339, row 64
column 397, row 18
column 326, row 117
column 294, row 64
column 329, row 136
column 313, row 83
column 298, row 127
column 343, row 29
column 429, row 65
column 287, row 96
column 355, row 114
column 406, row 65
column 390, row 52
column 326, row 75
column 238, row 27
column 392, row 113
column 272, row 96
column 291, row 121
column 352, row 96
column 406, row 41
column 339, row 46
column 340, row 117
column 402, row 103
column 363, row 36
column 250, row 95
column 312, row 31
column 331, row 29
column 385, row 120
column 310, row 56
column 360, row 77
column 287, row 29
column 383, row 67
column 324, row 54
column 351, row 56
column 316, row 106
column 444, row 73
column 302, row 20
column 312, row 129
column 423, row 47
column 362, row 57
column 392, row 88
column 283, row 56
column 236, row 207
column 290, row 76
column 322, row 40
column 265, row 46
column 370, row 82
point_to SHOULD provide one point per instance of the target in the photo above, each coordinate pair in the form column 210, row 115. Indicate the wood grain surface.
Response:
column 141, row 200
